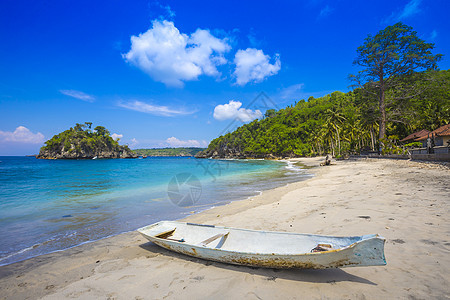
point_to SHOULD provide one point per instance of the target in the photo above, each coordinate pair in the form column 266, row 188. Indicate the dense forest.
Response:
column 82, row 142
column 397, row 91
column 341, row 123
column 188, row 151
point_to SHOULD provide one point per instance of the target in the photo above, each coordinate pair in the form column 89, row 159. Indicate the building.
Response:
column 414, row 137
column 441, row 136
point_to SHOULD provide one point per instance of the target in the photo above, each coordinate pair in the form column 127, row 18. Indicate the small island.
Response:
column 81, row 142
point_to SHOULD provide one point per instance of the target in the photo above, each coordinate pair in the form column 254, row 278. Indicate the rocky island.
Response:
column 80, row 142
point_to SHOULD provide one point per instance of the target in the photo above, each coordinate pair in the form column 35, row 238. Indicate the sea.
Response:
column 52, row 205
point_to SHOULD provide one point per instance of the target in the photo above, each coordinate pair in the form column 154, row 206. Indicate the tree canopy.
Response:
column 389, row 59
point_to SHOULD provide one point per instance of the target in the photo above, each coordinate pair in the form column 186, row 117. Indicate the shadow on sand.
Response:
column 305, row 275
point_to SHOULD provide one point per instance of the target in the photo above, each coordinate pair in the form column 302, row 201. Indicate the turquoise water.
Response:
column 50, row 205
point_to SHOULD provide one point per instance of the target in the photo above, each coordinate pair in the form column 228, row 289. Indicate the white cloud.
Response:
column 434, row 35
column 134, row 143
column 253, row 40
column 253, row 66
column 291, row 91
column 78, row 95
column 410, row 9
column 232, row 110
column 158, row 110
column 160, row 11
column 171, row 57
column 21, row 135
column 116, row 136
column 325, row 12
column 168, row 11
column 174, row 142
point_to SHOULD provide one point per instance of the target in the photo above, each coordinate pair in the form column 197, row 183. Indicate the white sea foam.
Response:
column 292, row 167
column 17, row 253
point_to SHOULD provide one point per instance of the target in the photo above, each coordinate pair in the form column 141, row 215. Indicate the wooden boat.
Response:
column 266, row 248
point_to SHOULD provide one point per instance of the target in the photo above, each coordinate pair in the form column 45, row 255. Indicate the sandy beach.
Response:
column 406, row 202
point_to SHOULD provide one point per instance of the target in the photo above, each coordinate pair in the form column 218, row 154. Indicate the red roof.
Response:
column 416, row 135
column 441, row 131
column 444, row 130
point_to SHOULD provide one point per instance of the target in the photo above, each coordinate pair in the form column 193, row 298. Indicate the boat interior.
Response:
column 244, row 240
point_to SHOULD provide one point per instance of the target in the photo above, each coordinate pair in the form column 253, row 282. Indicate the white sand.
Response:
column 406, row 202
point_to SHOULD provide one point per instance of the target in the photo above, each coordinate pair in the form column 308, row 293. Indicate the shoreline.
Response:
column 189, row 214
column 218, row 195
column 335, row 201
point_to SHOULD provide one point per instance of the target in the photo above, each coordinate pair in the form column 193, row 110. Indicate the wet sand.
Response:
column 406, row 202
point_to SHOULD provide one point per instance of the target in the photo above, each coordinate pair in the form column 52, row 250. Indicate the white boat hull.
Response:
column 266, row 248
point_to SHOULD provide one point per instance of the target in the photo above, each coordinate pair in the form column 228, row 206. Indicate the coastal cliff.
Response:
column 80, row 142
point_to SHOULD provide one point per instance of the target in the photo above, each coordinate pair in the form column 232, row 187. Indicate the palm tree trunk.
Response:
column 382, row 103
column 332, row 146
column 372, row 137
column 339, row 140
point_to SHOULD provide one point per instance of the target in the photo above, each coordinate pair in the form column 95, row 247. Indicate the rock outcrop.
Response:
column 232, row 153
column 122, row 152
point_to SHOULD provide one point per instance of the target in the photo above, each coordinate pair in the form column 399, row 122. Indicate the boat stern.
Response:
column 369, row 251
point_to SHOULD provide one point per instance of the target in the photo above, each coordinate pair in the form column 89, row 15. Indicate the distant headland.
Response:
column 186, row 151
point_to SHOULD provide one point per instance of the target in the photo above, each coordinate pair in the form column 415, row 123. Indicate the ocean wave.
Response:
column 292, row 167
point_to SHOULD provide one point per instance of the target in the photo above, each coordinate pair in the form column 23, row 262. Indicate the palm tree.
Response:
column 335, row 119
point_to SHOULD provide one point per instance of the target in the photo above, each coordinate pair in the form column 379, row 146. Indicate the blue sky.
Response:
column 176, row 73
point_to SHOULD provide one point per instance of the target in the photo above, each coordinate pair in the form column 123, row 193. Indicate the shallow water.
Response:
column 50, row 205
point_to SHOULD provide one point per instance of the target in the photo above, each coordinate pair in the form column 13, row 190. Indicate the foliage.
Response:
column 391, row 146
column 187, row 151
column 340, row 123
column 413, row 145
column 388, row 60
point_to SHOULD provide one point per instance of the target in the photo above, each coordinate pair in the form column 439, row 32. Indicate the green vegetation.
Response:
column 189, row 151
column 413, row 145
column 389, row 57
column 341, row 123
column 82, row 142
column 398, row 91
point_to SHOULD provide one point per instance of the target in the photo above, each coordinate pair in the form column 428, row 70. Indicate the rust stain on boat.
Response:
column 267, row 262
column 280, row 263
column 277, row 263
column 193, row 251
